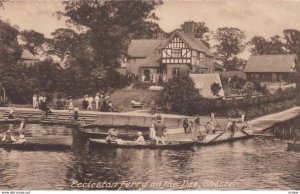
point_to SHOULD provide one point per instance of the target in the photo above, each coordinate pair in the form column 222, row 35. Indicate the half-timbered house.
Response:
column 183, row 54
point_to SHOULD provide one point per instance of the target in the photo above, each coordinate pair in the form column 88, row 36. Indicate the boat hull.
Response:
column 34, row 146
column 130, row 144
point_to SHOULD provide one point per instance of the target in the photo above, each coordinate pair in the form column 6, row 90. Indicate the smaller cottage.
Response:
column 270, row 68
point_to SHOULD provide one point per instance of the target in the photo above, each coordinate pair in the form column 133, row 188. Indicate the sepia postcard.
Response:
column 143, row 95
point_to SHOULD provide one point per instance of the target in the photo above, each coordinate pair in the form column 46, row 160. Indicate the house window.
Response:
column 176, row 53
column 198, row 55
column 176, row 72
column 201, row 56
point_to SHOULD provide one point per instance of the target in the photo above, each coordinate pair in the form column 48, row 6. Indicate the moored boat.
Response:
column 149, row 145
column 27, row 146
column 293, row 146
column 9, row 120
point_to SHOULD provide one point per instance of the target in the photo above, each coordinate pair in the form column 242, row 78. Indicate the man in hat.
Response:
column 140, row 140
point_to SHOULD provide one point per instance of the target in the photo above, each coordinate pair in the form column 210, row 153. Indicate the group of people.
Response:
column 113, row 137
column 39, row 102
column 9, row 138
column 188, row 126
column 154, row 78
column 157, row 133
column 100, row 100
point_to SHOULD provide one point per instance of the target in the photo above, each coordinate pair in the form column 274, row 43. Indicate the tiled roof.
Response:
column 270, row 63
column 193, row 43
column 151, row 61
column 144, row 47
column 203, row 83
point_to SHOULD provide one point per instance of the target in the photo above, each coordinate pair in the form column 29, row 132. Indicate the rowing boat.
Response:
column 9, row 120
column 149, row 145
column 27, row 146
column 293, row 146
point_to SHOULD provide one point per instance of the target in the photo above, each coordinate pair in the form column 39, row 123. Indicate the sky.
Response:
column 255, row 17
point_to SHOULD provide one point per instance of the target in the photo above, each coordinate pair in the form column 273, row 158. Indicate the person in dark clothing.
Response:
column 185, row 124
column 76, row 110
column 160, row 130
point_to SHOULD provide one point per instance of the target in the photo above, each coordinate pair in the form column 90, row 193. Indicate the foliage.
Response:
column 33, row 41
column 215, row 89
column 261, row 46
column 179, row 92
column 230, row 43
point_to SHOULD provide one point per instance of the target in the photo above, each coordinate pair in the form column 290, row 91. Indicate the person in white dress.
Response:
column 90, row 100
column 34, row 101
column 97, row 101
column 71, row 106
column 152, row 135
column 140, row 140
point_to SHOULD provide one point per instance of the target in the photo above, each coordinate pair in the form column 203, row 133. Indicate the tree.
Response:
column 10, row 50
column 179, row 92
column 292, row 38
column 33, row 41
column 261, row 46
column 215, row 89
column 230, row 43
column 109, row 26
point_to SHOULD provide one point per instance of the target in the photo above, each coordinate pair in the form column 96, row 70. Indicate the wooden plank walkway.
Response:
column 262, row 123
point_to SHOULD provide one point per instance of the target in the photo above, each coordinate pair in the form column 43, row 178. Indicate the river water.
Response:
column 258, row 163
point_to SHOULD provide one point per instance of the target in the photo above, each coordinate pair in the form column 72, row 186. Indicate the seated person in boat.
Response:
column 113, row 136
column 160, row 132
column 140, row 140
column 21, row 139
column 209, row 128
column 8, row 137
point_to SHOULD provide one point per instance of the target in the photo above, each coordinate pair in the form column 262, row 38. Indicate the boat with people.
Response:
column 293, row 146
column 148, row 144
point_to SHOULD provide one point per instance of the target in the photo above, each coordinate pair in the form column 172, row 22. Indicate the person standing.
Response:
column 97, row 101
column 90, row 101
column 160, row 132
column 11, row 113
column 76, row 113
column 40, row 99
column 71, row 106
column 152, row 131
column 34, row 101
column 185, row 125
column 197, row 124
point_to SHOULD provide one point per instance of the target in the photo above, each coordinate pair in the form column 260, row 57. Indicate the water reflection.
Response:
column 259, row 163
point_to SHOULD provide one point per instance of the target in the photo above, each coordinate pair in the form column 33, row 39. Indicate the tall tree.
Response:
column 292, row 38
column 230, row 43
column 10, row 50
column 261, row 46
column 33, row 41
